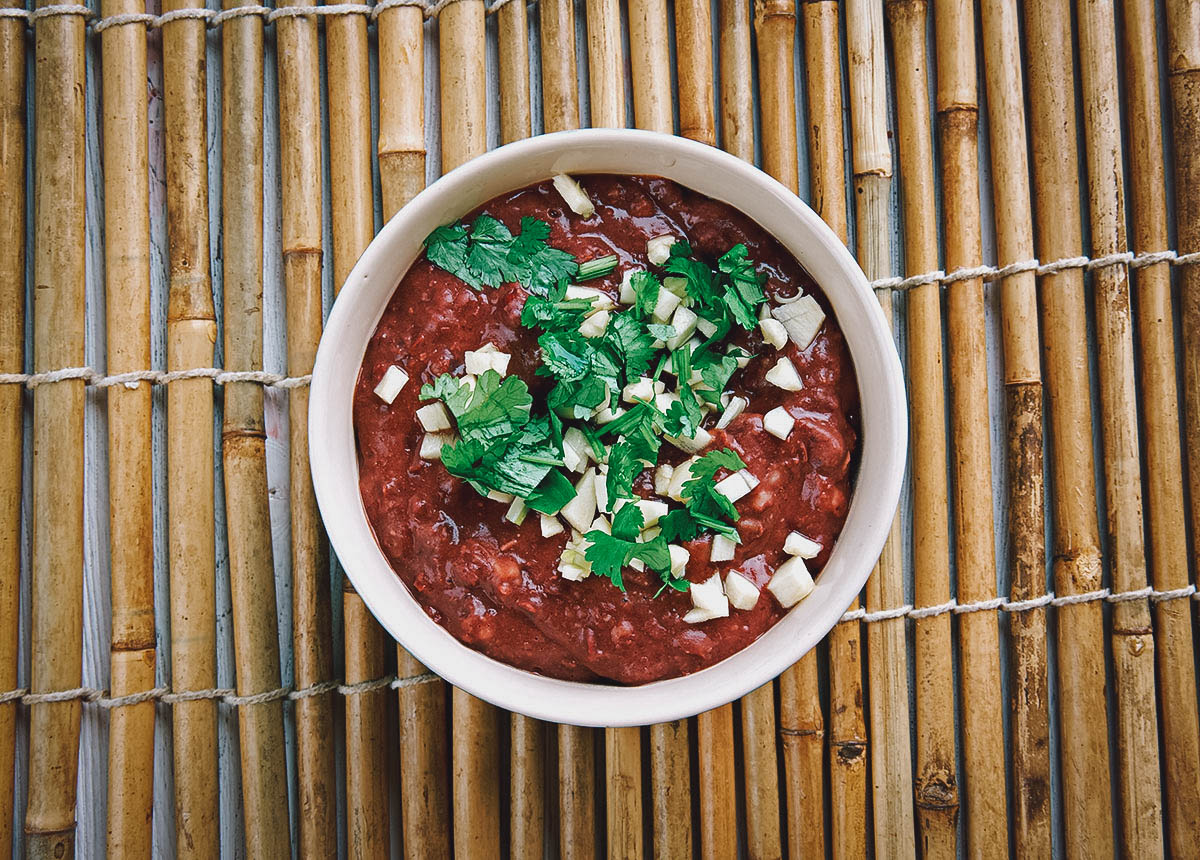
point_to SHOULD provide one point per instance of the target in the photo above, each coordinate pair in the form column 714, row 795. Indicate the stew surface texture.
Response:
column 494, row 585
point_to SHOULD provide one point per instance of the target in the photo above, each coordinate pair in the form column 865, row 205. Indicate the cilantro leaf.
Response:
column 679, row 525
column 566, row 355
column 623, row 469
column 645, row 289
column 716, row 372
column 633, row 342
column 490, row 244
column 608, row 556
column 744, row 293
column 536, row 265
column 699, row 277
column 497, row 408
column 490, row 255
column 699, row 491
column 628, row 522
column 551, row 494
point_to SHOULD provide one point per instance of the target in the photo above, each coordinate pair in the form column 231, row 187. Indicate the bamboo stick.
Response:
column 1132, row 636
column 577, row 788
column 300, row 169
column 623, row 766
column 847, row 726
column 761, row 772
column 1023, row 401
column 560, row 90
column 671, row 781
column 936, row 781
column 12, row 360
column 131, row 513
column 891, row 763
column 191, row 333
column 1077, row 567
column 401, row 108
column 801, row 725
column 513, row 38
column 648, row 52
column 694, row 62
column 474, row 757
column 350, row 191
column 606, row 64
column 737, row 98
column 1183, row 77
column 718, row 783
column 527, row 814
column 58, row 332
column 983, row 776
column 1160, row 422
column 243, row 438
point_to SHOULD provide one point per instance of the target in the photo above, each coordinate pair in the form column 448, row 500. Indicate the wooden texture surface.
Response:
column 229, row 198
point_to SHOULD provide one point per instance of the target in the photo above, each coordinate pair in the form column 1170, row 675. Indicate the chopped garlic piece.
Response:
column 779, row 422
column 551, row 526
column 773, row 332
column 791, row 582
column 684, row 322
column 581, row 509
column 574, row 195
column 658, row 249
column 431, row 445
column 517, row 511
column 497, row 496
column 393, row 381
column 662, row 478
column 735, row 407
column 742, row 593
column 594, row 325
column 722, row 549
column 736, row 486
column 665, row 305
column 799, row 545
column 434, row 417
column 679, row 559
column 802, row 318
column 783, row 375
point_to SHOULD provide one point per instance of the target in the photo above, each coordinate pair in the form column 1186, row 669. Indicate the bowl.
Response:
column 716, row 174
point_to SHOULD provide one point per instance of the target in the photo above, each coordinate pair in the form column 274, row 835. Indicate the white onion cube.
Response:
column 722, row 549
column 434, row 417
column 502, row 498
column 658, row 249
column 742, row 593
column 694, row 445
column 779, row 422
column 517, row 511
column 679, row 559
column 735, row 407
column 595, row 325
column 643, row 389
column 431, row 445
column 581, row 509
column 665, row 305
column 600, row 299
column 551, row 526
column 391, row 384
column 791, row 582
column 662, row 478
column 802, row 318
column 652, row 511
column 734, row 487
column 799, row 545
column 773, row 332
column 684, row 321
column 478, row 361
column 783, row 375
column 574, row 195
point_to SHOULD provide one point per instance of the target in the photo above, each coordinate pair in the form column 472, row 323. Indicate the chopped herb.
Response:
column 490, row 255
column 597, row 268
column 699, row 493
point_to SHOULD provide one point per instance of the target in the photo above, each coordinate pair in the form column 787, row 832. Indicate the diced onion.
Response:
column 642, row 389
column 678, row 286
column 594, row 325
column 431, row 445
column 664, row 305
column 517, row 511
column 791, row 582
column 694, row 445
column 628, row 296
column 581, row 509
column 684, row 322
column 708, row 601
column 551, row 526
column 722, row 549
column 679, row 559
column 779, row 422
column 600, row 300
column 652, row 511
column 742, row 593
column 735, row 486
column 600, row 489
column 658, row 249
column 576, row 450
column 774, row 332
column 479, row 361
column 574, row 195
column 799, row 545
column 664, row 400
column 502, row 498
column 680, row 475
column 735, row 407
column 662, row 478
column 706, row 328
column 607, row 414
column 802, row 318
column 783, row 375
column 391, row 384
column 434, row 417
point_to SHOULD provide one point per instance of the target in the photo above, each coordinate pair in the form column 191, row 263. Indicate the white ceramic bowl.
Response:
column 713, row 173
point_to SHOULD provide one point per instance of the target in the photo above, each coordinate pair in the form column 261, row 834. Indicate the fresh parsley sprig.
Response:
column 490, row 255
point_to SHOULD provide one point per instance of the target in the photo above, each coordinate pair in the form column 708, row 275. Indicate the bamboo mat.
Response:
column 185, row 672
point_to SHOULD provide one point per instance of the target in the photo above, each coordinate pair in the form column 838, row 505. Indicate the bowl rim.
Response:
column 333, row 451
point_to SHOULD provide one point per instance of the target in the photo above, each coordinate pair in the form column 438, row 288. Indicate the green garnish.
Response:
column 508, row 443
column 597, row 268
column 490, row 255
